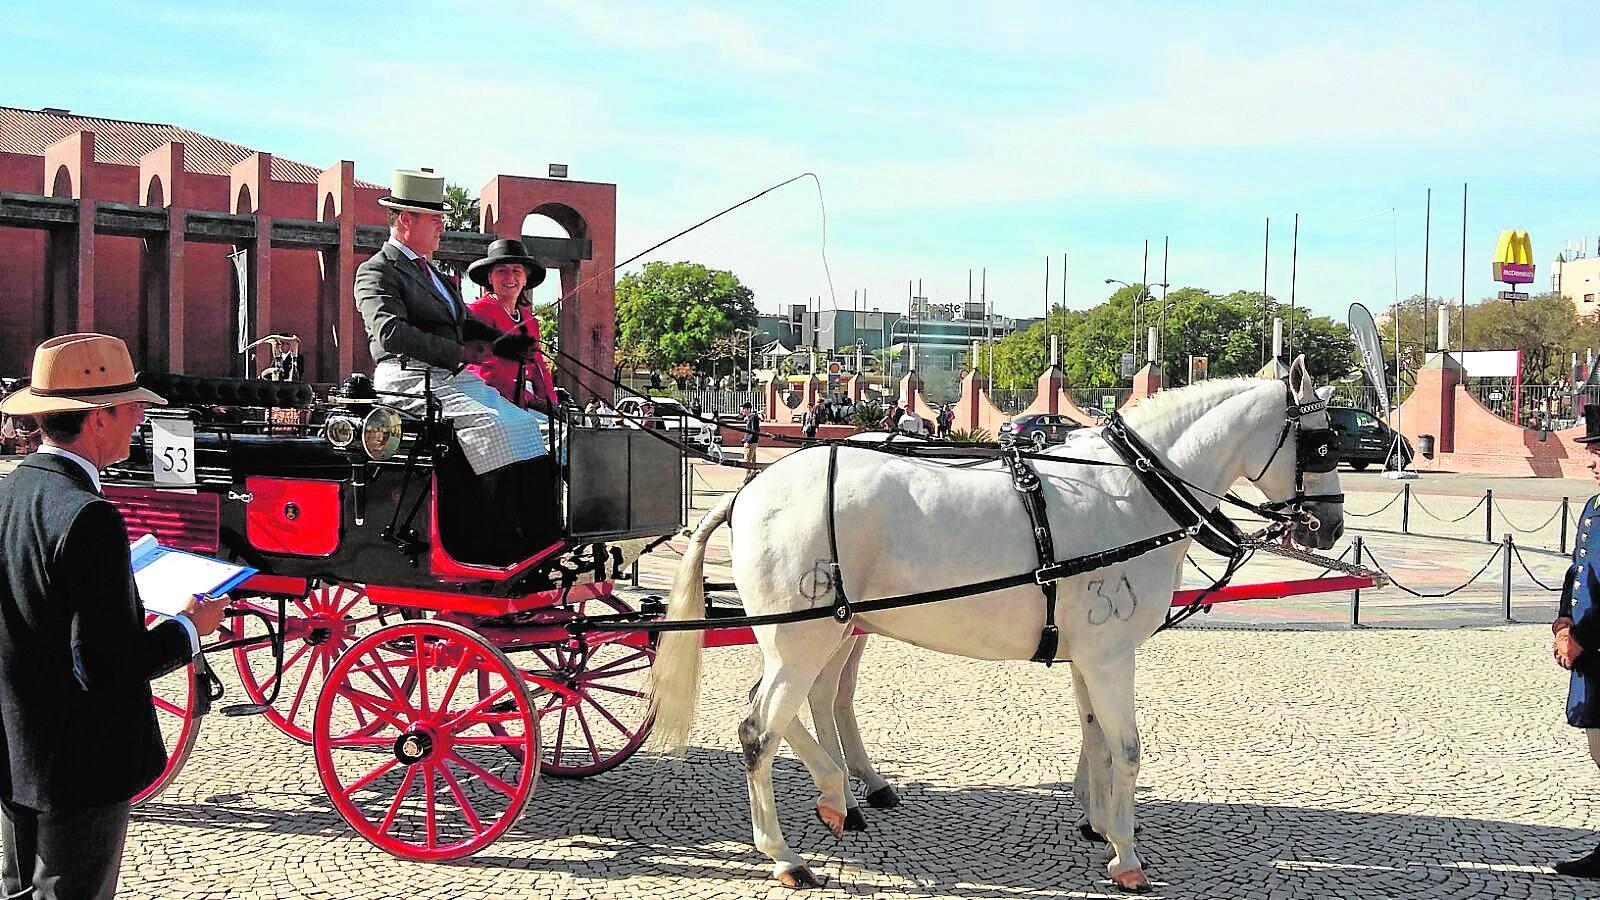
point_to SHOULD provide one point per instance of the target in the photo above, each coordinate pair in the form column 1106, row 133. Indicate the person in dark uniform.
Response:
column 1577, row 629
column 78, row 732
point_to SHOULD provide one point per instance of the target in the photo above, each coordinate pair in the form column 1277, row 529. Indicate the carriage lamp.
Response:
column 341, row 431
column 380, row 433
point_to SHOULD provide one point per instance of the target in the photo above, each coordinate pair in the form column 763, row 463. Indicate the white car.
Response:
column 669, row 415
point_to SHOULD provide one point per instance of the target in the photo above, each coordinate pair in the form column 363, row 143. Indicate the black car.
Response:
column 1364, row 439
column 1040, row 429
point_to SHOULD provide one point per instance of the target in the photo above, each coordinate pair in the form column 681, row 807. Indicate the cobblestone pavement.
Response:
column 1301, row 763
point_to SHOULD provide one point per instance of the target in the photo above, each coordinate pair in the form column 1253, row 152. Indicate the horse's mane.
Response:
column 1205, row 394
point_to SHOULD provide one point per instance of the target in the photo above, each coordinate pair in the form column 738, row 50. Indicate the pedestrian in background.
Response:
column 1577, row 630
column 808, row 421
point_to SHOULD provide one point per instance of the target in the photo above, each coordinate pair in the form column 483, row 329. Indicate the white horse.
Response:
column 1211, row 435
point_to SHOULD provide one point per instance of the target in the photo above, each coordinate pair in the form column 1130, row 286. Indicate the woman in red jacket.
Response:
column 508, row 272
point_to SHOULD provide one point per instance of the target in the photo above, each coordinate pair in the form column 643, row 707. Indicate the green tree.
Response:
column 673, row 313
column 460, row 209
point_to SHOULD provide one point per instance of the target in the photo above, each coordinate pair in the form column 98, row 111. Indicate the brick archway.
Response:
column 588, row 212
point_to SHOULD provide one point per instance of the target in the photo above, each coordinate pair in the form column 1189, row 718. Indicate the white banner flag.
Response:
column 241, row 269
column 1364, row 332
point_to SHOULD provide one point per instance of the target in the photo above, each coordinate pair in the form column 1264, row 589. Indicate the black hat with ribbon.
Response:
column 506, row 250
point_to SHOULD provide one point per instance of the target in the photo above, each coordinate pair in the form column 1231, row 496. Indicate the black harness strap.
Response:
column 1215, row 531
column 1026, row 483
column 841, row 604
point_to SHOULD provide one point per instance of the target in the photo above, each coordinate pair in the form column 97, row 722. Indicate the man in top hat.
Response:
column 1577, row 629
column 422, row 337
column 78, row 732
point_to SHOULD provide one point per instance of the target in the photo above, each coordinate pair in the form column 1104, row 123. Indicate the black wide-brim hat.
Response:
column 1591, row 425
column 506, row 250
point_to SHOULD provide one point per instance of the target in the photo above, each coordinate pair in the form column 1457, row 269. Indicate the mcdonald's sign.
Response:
column 1513, row 258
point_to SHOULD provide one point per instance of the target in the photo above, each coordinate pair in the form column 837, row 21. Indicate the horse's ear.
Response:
column 1299, row 378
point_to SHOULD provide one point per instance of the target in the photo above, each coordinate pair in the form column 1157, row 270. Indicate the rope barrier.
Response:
column 1380, row 509
column 1520, row 561
column 1513, row 526
column 1416, row 499
column 1415, row 593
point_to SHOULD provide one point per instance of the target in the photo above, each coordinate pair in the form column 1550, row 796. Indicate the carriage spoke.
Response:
column 461, row 797
column 489, row 740
column 361, row 741
column 588, row 736
column 626, row 692
column 422, row 677
column 455, row 680
column 288, row 664
column 170, row 708
column 483, row 775
column 356, row 597
column 615, row 722
column 430, row 816
column 370, row 777
column 638, row 654
column 561, row 733
column 387, row 683
column 299, row 694
column 476, row 713
column 359, row 699
column 399, row 800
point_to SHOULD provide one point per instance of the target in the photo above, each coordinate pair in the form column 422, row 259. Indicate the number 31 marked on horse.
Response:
column 1119, row 604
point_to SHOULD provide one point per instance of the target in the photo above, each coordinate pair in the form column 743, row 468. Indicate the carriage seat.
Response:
column 208, row 390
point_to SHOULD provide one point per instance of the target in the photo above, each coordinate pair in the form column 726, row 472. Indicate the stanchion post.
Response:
column 633, row 574
column 1355, row 595
column 1488, row 516
column 1566, row 510
column 1505, row 579
column 1405, row 509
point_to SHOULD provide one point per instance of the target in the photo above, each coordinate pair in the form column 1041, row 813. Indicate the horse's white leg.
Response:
column 879, row 792
column 835, row 802
column 1092, row 783
column 1110, row 684
column 822, row 699
column 792, row 664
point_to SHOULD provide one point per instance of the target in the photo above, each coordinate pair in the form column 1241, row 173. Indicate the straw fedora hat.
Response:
column 77, row 372
column 506, row 250
column 414, row 191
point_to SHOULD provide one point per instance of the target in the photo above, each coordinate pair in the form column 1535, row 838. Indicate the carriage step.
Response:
column 245, row 709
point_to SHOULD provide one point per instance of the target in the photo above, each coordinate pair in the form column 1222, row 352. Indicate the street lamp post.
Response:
column 1142, row 292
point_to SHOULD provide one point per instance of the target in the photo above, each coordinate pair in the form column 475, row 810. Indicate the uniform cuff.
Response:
column 189, row 629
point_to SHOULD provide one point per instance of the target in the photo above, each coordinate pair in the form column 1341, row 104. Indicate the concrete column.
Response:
column 68, row 167
column 336, row 190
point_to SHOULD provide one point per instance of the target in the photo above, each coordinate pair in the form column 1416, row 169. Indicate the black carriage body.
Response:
column 287, row 502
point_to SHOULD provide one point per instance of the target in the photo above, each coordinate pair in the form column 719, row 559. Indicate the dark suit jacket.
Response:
column 404, row 314
column 77, row 724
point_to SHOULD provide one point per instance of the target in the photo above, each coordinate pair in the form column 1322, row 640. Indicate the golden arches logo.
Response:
column 1513, row 257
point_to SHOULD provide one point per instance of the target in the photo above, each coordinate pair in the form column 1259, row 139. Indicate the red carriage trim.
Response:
column 285, row 585
column 178, row 518
column 478, row 604
column 293, row 516
column 445, row 566
column 1273, row 590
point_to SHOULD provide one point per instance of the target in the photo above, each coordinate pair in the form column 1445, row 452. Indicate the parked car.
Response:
column 669, row 414
column 1039, row 429
column 1364, row 439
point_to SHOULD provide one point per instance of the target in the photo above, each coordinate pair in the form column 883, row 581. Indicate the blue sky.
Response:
column 947, row 136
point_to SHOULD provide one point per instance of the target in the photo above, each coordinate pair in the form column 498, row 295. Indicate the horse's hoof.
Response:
column 798, row 878
column 1090, row 835
column 833, row 819
column 1132, row 881
column 854, row 820
column 883, row 798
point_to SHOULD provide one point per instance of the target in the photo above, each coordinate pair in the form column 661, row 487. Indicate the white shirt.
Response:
column 94, row 476
column 437, row 284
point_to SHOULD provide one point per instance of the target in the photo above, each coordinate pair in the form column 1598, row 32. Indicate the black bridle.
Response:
column 1316, row 451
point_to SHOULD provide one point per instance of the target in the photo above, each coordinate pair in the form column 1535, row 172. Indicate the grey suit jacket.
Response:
column 404, row 314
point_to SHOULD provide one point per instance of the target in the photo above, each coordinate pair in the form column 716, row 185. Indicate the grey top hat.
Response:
column 415, row 191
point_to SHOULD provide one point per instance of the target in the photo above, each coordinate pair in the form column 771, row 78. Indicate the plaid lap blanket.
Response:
column 491, row 431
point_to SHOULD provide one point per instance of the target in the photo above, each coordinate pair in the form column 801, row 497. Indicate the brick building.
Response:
column 127, row 228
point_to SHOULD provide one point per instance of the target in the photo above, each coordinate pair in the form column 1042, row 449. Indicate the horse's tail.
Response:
column 675, row 676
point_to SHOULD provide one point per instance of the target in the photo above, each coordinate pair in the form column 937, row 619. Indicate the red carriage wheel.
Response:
column 176, row 696
column 594, row 709
column 317, row 629
column 412, row 754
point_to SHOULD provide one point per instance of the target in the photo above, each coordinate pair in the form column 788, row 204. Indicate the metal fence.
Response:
column 1551, row 406
column 1103, row 399
column 1014, row 400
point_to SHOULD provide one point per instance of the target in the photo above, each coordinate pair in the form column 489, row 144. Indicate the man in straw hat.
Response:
column 78, row 732
column 422, row 336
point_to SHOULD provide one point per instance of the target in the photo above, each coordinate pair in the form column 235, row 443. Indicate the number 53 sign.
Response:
column 172, row 441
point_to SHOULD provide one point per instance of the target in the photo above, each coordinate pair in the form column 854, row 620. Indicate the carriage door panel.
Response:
column 294, row 516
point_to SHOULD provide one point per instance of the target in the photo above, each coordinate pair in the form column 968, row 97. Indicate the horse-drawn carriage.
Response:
column 434, row 690
column 443, row 687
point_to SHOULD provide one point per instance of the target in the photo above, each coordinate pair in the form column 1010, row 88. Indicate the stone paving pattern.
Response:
column 1277, row 764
